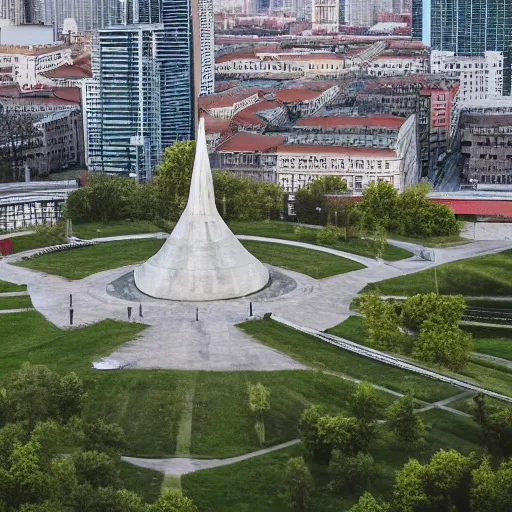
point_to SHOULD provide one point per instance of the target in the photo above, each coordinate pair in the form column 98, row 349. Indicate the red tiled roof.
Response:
column 228, row 98
column 234, row 56
column 215, row 125
column 67, row 93
column 296, row 95
column 10, row 91
column 250, row 142
column 392, row 122
column 69, row 71
column 248, row 116
column 336, row 150
column 224, row 86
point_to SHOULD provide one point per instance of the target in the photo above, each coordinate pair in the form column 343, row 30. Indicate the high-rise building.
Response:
column 13, row 10
column 148, row 75
column 122, row 105
column 326, row 15
column 467, row 27
column 89, row 14
column 34, row 11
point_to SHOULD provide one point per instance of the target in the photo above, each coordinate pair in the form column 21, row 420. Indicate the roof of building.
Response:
column 248, row 116
column 250, row 142
column 296, row 95
column 477, row 119
column 227, row 98
column 32, row 49
column 67, row 93
column 336, row 150
column 69, row 71
column 214, row 124
column 377, row 121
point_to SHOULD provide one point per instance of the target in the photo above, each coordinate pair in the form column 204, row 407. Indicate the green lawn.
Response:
column 29, row 242
column 15, row 302
column 319, row 354
column 286, row 231
column 313, row 263
column 256, row 485
column 493, row 341
column 6, row 287
column 434, row 241
column 486, row 275
column 82, row 262
column 122, row 227
column 479, row 372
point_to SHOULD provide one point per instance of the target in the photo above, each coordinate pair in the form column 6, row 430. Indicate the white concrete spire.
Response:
column 202, row 260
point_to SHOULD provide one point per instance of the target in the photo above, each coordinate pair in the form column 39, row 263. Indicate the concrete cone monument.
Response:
column 201, row 260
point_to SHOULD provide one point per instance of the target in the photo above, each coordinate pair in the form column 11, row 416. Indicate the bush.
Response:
column 298, row 484
column 54, row 235
column 329, row 235
column 351, row 473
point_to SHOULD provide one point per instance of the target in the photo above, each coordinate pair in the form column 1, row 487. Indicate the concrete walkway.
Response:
column 13, row 294
column 184, row 466
column 10, row 311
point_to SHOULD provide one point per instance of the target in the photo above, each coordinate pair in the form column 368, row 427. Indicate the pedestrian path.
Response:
column 183, row 466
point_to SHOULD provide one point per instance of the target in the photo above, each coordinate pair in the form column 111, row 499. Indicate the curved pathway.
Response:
column 183, row 466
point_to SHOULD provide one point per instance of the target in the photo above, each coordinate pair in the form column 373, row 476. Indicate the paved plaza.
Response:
column 175, row 340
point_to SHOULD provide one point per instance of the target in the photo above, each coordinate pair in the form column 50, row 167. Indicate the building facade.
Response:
column 326, row 15
column 487, row 147
column 480, row 77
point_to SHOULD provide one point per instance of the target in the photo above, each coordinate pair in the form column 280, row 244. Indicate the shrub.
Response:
column 351, row 473
column 329, row 235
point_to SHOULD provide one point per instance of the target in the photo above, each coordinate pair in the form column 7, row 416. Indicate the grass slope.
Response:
column 29, row 242
column 80, row 263
column 256, row 485
column 319, row 354
column 23, row 302
column 122, row 227
column 493, row 341
column 286, row 231
column 6, row 287
column 486, row 275
column 83, row 262
column 313, row 263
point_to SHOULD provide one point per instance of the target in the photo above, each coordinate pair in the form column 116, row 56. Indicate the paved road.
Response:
column 184, row 466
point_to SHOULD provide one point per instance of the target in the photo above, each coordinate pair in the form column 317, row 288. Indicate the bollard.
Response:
column 197, row 314
column 250, row 308
column 129, row 313
column 140, row 310
column 71, row 316
column 70, row 300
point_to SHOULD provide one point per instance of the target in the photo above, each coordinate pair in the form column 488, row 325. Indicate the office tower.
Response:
column 89, row 14
column 417, row 20
column 362, row 13
column 326, row 15
column 122, row 105
column 147, row 76
column 13, row 10
column 207, row 46
column 34, row 11
column 472, row 27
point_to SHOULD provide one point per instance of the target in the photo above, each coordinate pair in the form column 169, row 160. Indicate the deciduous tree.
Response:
column 407, row 426
column 367, row 503
column 351, row 473
column 298, row 484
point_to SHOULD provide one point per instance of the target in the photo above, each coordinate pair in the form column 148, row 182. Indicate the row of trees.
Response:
column 411, row 213
column 52, row 461
column 424, row 326
column 342, row 442
column 107, row 198
column 449, row 481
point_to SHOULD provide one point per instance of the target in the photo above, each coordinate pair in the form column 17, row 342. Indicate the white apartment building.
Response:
column 24, row 65
column 363, row 13
column 480, row 77
column 389, row 65
column 207, row 46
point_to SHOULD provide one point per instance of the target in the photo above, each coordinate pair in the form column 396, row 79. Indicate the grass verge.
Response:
column 122, row 227
column 83, row 262
column 286, row 231
column 319, row 354
column 486, row 275
column 6, row 287
column 313, row 263
column 434, row 241
column 15, row 303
